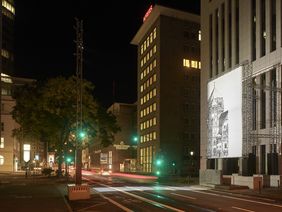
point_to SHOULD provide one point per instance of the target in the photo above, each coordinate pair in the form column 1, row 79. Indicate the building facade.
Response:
column 168, row 91
column 121, row 156
column 241, row 58
column 7, row 20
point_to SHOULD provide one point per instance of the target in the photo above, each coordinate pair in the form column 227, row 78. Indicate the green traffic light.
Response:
column 68, row 160
column 159, row 162
column 173, row 164
column 135, row 138
column 82, row 134
column 158, row 172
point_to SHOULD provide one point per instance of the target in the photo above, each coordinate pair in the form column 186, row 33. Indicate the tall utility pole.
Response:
column 79, row 68
column 1, row 31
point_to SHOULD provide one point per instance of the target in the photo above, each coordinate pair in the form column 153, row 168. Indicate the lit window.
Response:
column 155, row 78
column 2, row 143
column 199, row 36
column 186, row 63
column 155, row 33
column 154, row 135
column 155, row 48
column 142, row 75
column 155, row 63
column 141, row 63
column 151, row 37
column 155, row 91
column 5, row 53
column 148, row 41
column 142, row 49
column 151, row 66
column 194, row 64
column 155, row 106
column 8, row 6
column 199, row 65
column 1, row 160
column 151, row 53
column 141, row 88
column 155, row 120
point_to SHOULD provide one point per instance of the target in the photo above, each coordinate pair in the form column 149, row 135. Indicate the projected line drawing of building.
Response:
column 218, row 127
column 241, row 41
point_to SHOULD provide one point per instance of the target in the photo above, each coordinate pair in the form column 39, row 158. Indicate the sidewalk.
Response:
column 34, row 193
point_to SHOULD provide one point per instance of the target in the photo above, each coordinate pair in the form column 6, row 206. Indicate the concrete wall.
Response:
column 210, row 176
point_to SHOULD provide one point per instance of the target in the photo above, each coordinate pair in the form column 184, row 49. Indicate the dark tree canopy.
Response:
column 48, row 112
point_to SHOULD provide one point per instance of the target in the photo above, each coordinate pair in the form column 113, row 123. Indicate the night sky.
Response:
column 44, row 41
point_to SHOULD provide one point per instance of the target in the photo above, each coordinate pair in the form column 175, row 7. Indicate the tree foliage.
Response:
column 47, row 112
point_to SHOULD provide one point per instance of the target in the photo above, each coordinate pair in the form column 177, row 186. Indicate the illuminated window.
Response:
column 142, row 75
column 154, row 77
column 26, row 151
column 141, row 88
column 155, row 48
column 155, row 121
column 1, row 160
column 142, row 49
column 5, row 53
column 2, row 143
column 8, row 6
column 151, row 37
column 155, row 63
column 155, row 106
column 199, row 35
column 199, row 65
column 151, row 66
column 186, row 63
column 155, row 33
column 141, row 63
column 148, row 41
column 194, row 64
column 154, row 135
column 155, row 91
column 151, row 53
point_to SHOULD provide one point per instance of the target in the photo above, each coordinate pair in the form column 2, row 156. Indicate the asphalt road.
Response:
column 116, row 194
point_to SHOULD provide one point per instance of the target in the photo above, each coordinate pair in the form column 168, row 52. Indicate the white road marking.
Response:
column 237, row 194
column 158, row 204
column 242, row 209
column 185, row 196
column 237, row 198
column 116, row 203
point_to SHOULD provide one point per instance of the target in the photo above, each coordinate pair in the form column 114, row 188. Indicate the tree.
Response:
column 47, row 111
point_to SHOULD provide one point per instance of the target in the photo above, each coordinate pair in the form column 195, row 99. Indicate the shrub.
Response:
column 47, row 171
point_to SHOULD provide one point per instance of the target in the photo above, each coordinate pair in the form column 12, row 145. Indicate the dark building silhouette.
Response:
column 168, row 91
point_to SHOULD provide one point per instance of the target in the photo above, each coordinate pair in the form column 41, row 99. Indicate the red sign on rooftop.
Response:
column 148, row 13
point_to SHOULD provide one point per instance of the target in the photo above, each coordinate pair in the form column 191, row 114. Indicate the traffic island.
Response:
column 77, row 192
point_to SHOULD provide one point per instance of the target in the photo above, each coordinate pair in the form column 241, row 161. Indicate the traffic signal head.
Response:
column 159, row 162
column 82, row 134
column 173, row 163
column 135, row 138
column 68, row 159
column 158, row 172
